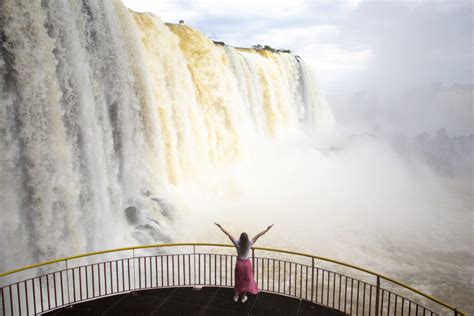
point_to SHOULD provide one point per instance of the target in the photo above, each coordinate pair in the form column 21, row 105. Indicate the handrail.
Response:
column 366, row 271
column 109, row 251
column 438, row 301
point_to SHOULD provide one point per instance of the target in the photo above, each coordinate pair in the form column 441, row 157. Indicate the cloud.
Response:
column 354, row 44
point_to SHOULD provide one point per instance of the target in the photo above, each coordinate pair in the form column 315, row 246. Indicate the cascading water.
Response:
column 101, row 108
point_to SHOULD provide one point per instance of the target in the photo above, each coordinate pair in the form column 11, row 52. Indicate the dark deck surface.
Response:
column 189, row 301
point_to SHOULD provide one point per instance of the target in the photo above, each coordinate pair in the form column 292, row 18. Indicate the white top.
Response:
column 242, row 253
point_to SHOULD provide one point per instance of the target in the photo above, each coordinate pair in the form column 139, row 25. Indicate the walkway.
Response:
column 189, row 301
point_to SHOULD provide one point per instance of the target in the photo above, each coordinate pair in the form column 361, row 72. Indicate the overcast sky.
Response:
column 353, row 45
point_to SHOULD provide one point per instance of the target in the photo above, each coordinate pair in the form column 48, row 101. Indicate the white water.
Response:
column 103, row 109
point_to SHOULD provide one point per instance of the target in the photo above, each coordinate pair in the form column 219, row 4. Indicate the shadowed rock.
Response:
column 131, row 214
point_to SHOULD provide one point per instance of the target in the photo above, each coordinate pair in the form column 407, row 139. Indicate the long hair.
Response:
column 244, row 240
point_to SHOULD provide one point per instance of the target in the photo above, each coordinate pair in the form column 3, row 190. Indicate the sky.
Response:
column 353, row 45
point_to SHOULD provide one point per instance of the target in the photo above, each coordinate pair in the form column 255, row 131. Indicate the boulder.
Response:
column 131, row 214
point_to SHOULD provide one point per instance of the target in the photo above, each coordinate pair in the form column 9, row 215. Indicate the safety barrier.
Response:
column 324, row 281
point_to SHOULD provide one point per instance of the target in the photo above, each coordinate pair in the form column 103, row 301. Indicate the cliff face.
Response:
column 102, row 107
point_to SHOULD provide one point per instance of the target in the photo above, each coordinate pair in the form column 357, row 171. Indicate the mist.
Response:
column 352, row 197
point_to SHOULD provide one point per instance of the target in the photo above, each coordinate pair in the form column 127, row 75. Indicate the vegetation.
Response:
column 271, row 49
column 259, row 47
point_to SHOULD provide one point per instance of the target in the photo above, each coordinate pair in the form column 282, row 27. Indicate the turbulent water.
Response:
column 102, row 107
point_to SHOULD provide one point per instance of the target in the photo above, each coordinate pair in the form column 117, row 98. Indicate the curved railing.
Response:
column 353, row 290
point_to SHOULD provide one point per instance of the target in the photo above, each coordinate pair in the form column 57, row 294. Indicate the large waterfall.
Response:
column 101, row 108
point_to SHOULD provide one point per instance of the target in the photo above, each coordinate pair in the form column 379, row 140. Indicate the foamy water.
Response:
column 103, row 108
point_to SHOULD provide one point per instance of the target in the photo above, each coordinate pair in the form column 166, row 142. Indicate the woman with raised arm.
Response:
column 244, row 279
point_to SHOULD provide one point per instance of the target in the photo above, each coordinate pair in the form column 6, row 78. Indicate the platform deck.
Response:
column 189, row 301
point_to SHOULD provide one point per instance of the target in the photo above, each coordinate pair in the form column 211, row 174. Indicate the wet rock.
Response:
column 131, row 214
column 154, row 221
column 147, row 233
column 145, row 192
column 166, row 209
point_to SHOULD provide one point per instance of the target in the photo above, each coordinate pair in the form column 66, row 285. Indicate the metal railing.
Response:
column 67, row 281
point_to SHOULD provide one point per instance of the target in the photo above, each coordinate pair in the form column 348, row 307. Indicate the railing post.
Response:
column 253, row 260
column 455, row 312
column 194, row 264
column 134, row 269
column 67, row 285
column 312, row 278
column 377, row 292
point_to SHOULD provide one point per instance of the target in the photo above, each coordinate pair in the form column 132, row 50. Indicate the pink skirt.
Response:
column 244, row 280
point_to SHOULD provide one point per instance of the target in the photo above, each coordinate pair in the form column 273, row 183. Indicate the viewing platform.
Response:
column 195, row 301
column 197, row 279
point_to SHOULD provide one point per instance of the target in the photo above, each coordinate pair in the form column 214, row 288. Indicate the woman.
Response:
column 244, row 280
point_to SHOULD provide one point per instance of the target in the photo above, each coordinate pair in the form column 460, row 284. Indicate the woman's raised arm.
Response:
column 225, row 232
column 254, row 239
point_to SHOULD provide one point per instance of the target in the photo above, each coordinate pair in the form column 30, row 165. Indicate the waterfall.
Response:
column 101, row 108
